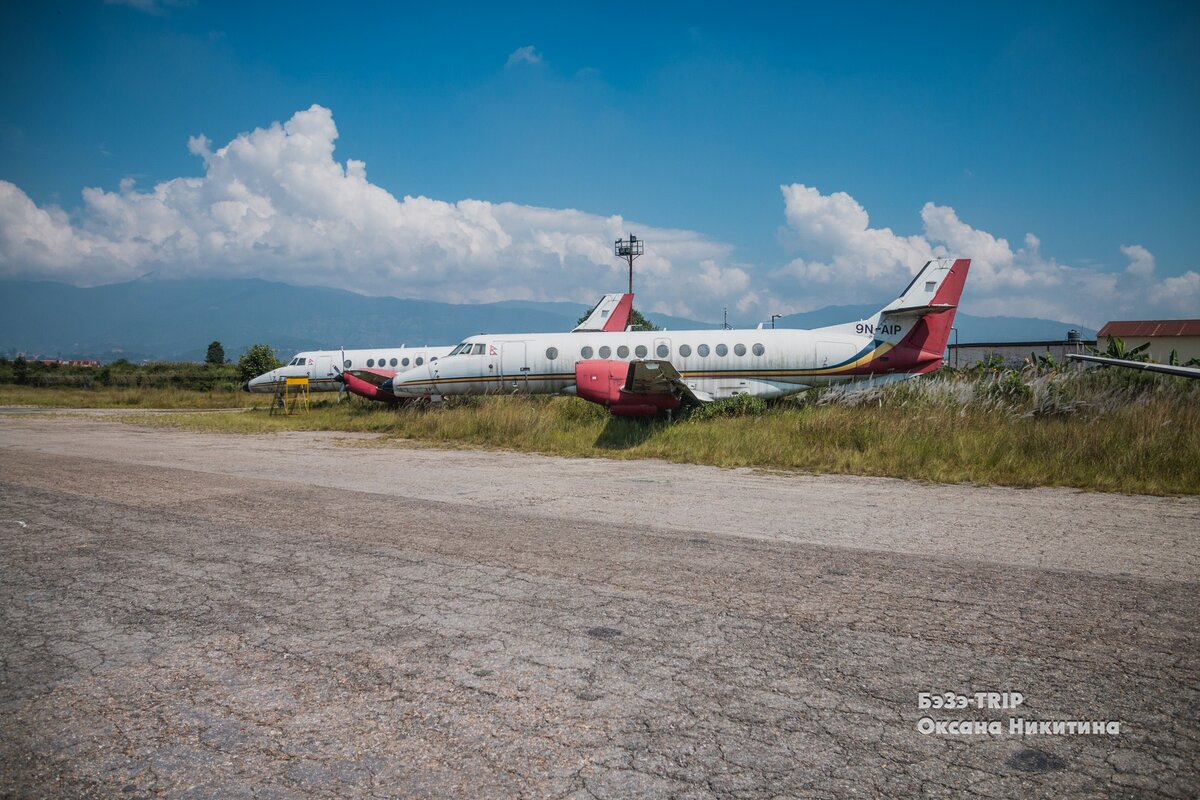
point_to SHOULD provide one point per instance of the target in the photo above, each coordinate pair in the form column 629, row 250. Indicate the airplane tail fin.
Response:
column 610, row 314
column 917, row 323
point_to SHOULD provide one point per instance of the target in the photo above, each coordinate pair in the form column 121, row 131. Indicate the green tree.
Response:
column 215, row 354
column 257, row 359
column 640, row 323
column 1116, row 349
column 20, row 370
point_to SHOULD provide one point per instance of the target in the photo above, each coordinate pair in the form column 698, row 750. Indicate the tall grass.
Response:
column 1097, row 430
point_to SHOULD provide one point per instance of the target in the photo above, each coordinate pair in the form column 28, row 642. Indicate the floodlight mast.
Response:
column 629, row 249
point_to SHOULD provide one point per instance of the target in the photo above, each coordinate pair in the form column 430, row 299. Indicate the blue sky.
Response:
column 951, row 126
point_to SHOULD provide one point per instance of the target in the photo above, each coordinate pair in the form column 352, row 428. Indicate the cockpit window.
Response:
column 478, row 349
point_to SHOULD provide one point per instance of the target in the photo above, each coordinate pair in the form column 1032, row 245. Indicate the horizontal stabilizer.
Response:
column 918, row 311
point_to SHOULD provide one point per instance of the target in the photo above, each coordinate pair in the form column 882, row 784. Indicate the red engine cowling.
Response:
column 601, row 381
column 367, row 389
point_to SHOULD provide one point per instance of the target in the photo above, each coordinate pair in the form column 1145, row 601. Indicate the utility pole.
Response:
column 773, row 318
column 629, row 249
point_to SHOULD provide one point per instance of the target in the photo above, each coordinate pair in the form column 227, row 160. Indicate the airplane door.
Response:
column 489, row 369
column 513, row 367
column 323, row 368
column 662, row 349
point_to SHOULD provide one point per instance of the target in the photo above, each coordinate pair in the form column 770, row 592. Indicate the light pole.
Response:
column 629, row 249
column 773, row 318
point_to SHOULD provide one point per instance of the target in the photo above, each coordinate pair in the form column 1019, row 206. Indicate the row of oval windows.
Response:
column 662, row 351
column 383, row 362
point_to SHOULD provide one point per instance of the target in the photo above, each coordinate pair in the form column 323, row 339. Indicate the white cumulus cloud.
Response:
column 842, row 259
column 275, row 203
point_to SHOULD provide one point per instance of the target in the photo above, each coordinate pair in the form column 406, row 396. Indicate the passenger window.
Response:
column 740, row 349
column 394, row 362
column 622, row 352
column 404, row 362
column 640, row 350
column 702, row 351
column 551, row 353
column 759, row 350
column 722, row 350
column 605, row 351
column 370, row 362
column 663, row 351
column 685, row 350
column 419, row 361
column 347, row 363
column 585, row 353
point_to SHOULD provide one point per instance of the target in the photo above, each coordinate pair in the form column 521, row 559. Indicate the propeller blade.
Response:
column 341, row 378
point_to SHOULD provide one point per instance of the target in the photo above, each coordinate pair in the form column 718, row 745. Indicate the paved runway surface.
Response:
column 315, row 615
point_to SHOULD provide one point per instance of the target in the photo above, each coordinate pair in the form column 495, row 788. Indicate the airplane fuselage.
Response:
column 719, row 363
column 905, row 338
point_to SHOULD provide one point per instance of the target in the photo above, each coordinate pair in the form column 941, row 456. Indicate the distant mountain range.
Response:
column 154, row 318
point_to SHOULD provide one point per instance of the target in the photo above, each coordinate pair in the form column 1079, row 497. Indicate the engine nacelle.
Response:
column 602, row 381
column 366, row 389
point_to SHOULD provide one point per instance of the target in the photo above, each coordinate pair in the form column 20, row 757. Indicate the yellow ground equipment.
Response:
column 292, row 397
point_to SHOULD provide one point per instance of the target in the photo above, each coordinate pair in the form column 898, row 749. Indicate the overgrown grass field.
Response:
column 128, row 397
column 1099, row 430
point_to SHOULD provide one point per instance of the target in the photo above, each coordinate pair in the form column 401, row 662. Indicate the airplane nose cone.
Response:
column 246, row 386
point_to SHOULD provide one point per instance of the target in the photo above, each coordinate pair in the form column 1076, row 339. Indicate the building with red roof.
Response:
column 1164, row 335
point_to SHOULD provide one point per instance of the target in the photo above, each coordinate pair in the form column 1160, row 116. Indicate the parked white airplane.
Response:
column 642, row 373
column 358, row 370
column 322, row 367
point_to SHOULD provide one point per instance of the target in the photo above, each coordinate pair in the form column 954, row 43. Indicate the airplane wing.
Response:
column 657, row 377
column 1166, row 369
column 373, row 376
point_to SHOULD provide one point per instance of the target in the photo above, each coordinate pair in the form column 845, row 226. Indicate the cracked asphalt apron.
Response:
column 316, row 614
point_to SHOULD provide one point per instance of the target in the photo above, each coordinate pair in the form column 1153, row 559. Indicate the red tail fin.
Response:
column 618, row 320
column 925, row 344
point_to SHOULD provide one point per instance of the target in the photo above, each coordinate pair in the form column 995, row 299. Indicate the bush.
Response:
column 1009, row 388
column 257, row 359
column 741, row 405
